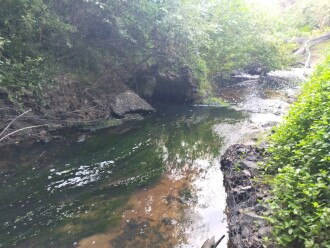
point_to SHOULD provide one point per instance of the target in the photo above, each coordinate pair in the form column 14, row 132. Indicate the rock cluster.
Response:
column 245, row 198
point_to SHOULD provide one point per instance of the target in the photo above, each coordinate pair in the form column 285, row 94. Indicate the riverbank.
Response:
column 66, row 103
column 91, row 103
column 266, row 102
column 246, row 196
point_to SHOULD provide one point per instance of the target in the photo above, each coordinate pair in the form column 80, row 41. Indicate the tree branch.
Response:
column 5, row 129
column 219, row 241
column 19, row 130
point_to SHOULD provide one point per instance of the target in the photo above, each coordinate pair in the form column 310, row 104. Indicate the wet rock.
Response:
column 129, row 102
column 81, row 138
column 252, row 167
column 169, row 199
column 246, row 225
column 271, row 123
column 256, row 69
column 167, row 221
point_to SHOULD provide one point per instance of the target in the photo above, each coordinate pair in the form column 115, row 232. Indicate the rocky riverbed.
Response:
column 266, row 102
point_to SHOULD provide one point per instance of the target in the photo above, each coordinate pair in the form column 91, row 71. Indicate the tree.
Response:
column 114, row 38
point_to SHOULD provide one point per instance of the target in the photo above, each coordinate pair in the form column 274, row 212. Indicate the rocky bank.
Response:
column 265, row 102
column 246, row 197
column 71, row 101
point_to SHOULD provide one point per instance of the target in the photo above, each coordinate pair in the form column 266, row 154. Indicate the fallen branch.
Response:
column 219, row 241
column 5, row 129
column 210, row 243
column 19, row 130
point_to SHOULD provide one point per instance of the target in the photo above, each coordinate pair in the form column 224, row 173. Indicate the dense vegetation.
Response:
column 111, row 40
column 302, row 17
column 300, row 157
column 108, row 40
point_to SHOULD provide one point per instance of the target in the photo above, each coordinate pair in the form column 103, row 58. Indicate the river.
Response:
column 146, row 183
column 154, row 182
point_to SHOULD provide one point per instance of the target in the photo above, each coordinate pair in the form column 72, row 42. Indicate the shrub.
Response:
column 300, row 159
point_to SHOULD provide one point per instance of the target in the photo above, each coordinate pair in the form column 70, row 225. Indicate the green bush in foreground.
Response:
column 300, row 159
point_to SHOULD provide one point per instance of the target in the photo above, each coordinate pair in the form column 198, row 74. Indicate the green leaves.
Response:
column 90, row 36
column 300, row 154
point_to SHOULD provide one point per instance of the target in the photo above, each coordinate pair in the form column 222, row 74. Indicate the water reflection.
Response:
column 78, row 190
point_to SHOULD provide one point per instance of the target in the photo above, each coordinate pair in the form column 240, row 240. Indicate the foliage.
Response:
column 27, row 30
column 40, row 38
column 308, row 15
column 300, row 156
column 296, row 18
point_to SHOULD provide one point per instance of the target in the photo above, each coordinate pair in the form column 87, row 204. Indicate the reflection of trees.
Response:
column 188, row 139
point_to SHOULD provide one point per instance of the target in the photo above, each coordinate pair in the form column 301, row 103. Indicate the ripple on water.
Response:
column 134, row 160
column 78, row 177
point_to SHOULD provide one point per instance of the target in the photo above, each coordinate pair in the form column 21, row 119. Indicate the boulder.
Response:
column 128, row 103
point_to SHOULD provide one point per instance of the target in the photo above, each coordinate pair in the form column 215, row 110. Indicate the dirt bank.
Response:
column 70, row 100
column 66, row 102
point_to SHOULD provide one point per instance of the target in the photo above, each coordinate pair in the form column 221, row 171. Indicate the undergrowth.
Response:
column 300, row 160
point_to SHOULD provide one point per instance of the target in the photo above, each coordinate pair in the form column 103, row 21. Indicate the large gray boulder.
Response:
column 128, row 103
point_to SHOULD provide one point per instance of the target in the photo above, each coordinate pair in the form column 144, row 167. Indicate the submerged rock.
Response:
column 81, row 138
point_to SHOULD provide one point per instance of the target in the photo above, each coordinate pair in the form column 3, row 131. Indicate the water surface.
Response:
column 149, row 183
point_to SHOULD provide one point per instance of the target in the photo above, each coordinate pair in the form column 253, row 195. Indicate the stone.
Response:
column 129, row 102
column 246, row 173
column 249, row 165
column 81, row 138
column 260, row 208
column 264, row 231
column 167, row 221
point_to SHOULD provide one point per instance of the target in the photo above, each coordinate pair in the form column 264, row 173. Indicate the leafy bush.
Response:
column 114, row 38
column 29, row 30
column 300, row 157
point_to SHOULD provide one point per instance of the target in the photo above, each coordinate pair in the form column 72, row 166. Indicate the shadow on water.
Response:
column 53, row 195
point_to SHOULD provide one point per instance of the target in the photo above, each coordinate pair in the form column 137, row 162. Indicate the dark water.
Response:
column 54, row 195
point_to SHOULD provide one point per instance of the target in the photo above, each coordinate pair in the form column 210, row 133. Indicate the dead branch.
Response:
column 5, row 129
column 219, row 241
column 210, row 243
column 19, row 130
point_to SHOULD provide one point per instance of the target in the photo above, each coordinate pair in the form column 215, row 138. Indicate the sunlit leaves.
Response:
column 95, row 37
column 300, row 160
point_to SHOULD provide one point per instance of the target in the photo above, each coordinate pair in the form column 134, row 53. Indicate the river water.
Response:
column 146, row 183
column 154, row 182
